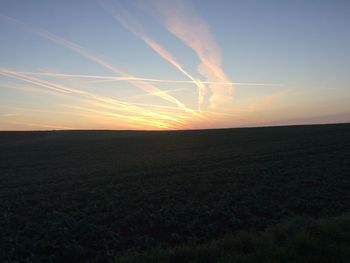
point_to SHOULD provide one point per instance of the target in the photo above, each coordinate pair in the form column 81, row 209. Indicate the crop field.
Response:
column 110, row 196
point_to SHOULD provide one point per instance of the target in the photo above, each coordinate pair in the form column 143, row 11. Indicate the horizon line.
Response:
column 195, row 129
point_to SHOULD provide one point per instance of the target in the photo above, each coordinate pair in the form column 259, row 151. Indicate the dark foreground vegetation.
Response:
column 233, row 195
column 296, row 240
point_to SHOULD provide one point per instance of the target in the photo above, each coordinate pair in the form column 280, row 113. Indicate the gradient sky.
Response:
column 168, row 64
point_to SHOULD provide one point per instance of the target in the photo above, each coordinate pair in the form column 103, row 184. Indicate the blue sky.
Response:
column 297, row 52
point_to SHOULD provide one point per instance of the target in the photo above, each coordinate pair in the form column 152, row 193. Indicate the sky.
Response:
column 173, row 64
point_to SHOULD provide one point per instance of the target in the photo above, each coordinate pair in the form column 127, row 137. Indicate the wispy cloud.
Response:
column 41, row 83
column 130, row 22
column 112, row 104
column 43, row 125
column 27, row 88
column 95, row 108
column 10, row 114
column 147, row 87
column 182, row 20
column 114, row 78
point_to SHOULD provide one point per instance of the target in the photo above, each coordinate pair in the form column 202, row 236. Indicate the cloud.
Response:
column 147, row 87
column 43, row 125
column 10, row 114
column 114, row 78
column 142, row 114
column 181, row 19
column 130, row 22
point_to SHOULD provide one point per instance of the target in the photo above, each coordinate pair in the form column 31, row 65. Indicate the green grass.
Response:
column 84, row 196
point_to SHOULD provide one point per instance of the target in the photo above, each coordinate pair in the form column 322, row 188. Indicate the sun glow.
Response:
column 213, row 89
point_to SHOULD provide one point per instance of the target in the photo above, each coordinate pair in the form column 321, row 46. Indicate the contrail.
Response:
column 165, row 91
column 153, row 115
column 32, row 124
column 157, row 106
column 127, row 20
column 16, row 75
column 152, row 123
column 168, row 57
column 98, row 59
column 189, row 27
column 112, row 78
column 26, row 88
column 115, row 104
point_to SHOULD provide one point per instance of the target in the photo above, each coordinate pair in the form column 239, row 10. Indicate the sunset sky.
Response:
column 172, row 64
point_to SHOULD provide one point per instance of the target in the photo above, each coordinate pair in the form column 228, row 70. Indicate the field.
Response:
column 133, row 196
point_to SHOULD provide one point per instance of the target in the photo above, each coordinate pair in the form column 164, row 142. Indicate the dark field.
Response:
column 108, row 196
